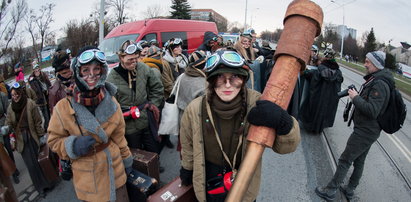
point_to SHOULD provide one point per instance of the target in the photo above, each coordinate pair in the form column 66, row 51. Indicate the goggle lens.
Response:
column 131, row 49
column 16, row 85
column 89, row 55
column 211, row 62
column 228, row 58
column 232, row 58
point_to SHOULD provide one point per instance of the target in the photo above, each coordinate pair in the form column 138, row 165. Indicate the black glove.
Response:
column 271, row 115
column 186, row 176
column 82, row 145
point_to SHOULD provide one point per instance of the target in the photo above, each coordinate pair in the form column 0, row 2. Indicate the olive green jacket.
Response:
column 34, row 120
column 193, row 157
column 148, row 88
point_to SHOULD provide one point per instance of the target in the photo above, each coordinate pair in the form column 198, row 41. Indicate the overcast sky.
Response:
column 391, row 19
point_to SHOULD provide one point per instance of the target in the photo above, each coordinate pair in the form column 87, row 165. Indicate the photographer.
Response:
column 368, row 104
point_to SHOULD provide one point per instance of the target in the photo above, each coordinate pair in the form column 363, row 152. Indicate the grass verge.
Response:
column 403, row 84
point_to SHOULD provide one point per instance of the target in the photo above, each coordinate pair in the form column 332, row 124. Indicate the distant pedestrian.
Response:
column 40, row 83
column 63, row 83
column 371, row 100
column 177, row 62
column 18, row 71
column 209, row 40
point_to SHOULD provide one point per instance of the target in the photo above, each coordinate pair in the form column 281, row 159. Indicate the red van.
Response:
column 190, row 31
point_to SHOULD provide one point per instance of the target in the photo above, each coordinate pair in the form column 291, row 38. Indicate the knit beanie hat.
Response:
column 377, row 58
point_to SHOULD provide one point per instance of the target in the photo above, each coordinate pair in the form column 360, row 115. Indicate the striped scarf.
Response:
column 89, row 98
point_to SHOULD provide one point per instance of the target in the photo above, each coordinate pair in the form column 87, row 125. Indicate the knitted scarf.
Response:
column 89, row 98
column 18, row 107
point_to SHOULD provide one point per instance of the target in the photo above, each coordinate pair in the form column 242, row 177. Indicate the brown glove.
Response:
column 155, row 111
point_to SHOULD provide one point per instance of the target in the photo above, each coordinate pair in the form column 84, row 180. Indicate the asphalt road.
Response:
column 293, row 177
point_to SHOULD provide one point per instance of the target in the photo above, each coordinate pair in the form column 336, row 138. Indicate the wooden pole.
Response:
column 302, row 23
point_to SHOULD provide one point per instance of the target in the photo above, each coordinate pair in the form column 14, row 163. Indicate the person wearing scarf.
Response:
column 40, row 83
column 24, row 118
column 88, row 128
column 62, row 85
column 214, row 127
column 138, row 86
column 177, row 64
column 194, row 82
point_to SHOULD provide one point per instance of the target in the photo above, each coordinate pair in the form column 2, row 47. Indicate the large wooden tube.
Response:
column 302, row 23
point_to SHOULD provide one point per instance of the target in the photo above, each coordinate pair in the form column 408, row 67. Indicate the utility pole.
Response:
column 101, row 23
column 245, row 18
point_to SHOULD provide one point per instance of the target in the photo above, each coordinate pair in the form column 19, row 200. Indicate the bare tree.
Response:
column 154, row 11
column 30, row 20
column 9, row 23
column 43, row 22
column 119, row 9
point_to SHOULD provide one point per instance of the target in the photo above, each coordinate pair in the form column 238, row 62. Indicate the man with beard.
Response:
column 61, row 86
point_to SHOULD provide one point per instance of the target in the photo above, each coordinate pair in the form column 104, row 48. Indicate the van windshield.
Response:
column 110, row 46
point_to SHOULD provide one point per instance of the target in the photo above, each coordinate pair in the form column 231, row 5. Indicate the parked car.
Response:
column 190, row 31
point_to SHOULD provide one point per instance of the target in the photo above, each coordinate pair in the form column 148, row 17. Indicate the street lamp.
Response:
column 343, row 31
column 343, row 27
column 252, row 16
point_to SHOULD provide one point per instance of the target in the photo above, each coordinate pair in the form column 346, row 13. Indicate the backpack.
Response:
column 392, row 119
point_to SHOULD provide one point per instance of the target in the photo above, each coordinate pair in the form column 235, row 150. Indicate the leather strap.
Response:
column 98, row 148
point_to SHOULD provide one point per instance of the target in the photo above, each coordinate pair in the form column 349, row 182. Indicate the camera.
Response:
column 344, row 93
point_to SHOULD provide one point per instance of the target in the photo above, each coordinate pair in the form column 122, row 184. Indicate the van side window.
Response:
column 149, row 37
column 165, row 36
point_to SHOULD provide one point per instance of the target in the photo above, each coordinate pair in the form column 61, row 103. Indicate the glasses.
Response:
column 226, row 58
column 234, row 80
column 89, row 55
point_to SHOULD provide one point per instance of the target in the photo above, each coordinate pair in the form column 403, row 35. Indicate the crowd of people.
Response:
column 91, row 117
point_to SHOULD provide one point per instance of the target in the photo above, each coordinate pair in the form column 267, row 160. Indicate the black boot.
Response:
column 348, row 191
column 167, row 142
column 327, row 193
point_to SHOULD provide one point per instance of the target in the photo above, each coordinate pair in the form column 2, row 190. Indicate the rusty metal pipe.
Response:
column 302, row 23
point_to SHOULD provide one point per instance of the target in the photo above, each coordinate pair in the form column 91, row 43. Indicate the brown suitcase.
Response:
column 48, row 163
column 146, row 162
column 174, row 192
